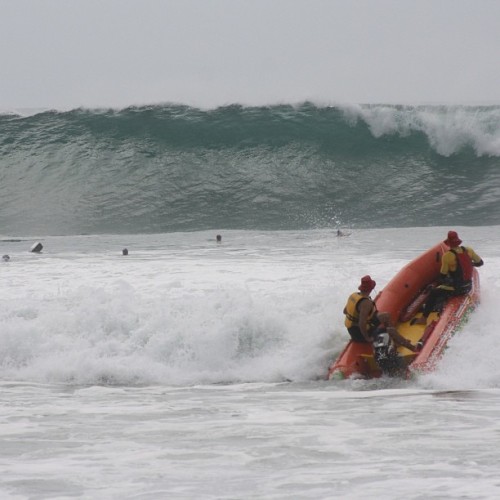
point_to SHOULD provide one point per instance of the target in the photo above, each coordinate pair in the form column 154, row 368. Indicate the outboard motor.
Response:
column 382, row 346
column 386, row 355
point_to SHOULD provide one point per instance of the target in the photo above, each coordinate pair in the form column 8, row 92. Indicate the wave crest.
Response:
column 171, row 168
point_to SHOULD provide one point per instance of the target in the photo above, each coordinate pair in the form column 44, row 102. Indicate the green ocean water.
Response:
column 174, row 168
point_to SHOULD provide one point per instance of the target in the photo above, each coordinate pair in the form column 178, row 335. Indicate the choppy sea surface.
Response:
column 191, row 369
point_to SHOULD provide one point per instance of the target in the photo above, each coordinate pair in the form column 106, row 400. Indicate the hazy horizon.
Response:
column 120, row 53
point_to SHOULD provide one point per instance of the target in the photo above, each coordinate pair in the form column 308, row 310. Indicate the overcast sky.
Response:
column 70, row 53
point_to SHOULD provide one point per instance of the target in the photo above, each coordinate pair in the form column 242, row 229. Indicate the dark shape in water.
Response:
column 37, row 247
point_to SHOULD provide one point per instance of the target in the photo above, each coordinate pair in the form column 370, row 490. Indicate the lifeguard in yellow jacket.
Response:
column 361, row 319
column 364, row 322
column 455, row 277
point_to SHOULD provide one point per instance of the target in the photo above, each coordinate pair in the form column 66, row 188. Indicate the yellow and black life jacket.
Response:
column 352, row 309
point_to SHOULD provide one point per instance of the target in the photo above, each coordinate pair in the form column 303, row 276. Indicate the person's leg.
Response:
column 436, row 295
column 431, row 301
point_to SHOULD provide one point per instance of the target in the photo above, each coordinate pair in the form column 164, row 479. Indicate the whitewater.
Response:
column 191, row 369
column 195, row 369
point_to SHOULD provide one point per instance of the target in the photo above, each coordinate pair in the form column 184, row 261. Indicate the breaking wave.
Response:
column 175, row 168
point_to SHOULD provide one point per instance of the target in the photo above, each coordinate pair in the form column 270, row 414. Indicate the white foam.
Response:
column 180, row 309
column 448, row 129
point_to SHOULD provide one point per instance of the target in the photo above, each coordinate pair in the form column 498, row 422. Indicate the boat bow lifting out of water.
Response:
column 402, row 298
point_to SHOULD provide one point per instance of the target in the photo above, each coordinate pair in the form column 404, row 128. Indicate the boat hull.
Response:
column 402, row 298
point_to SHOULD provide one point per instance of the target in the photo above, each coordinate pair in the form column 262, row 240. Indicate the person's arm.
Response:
column 476, row 260
column 400, row 340
column 385, row 318
column 365, row 308
column 445, row 264
column 448, row 263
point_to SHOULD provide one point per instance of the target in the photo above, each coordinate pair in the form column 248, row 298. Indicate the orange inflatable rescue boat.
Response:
column 403, row 298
